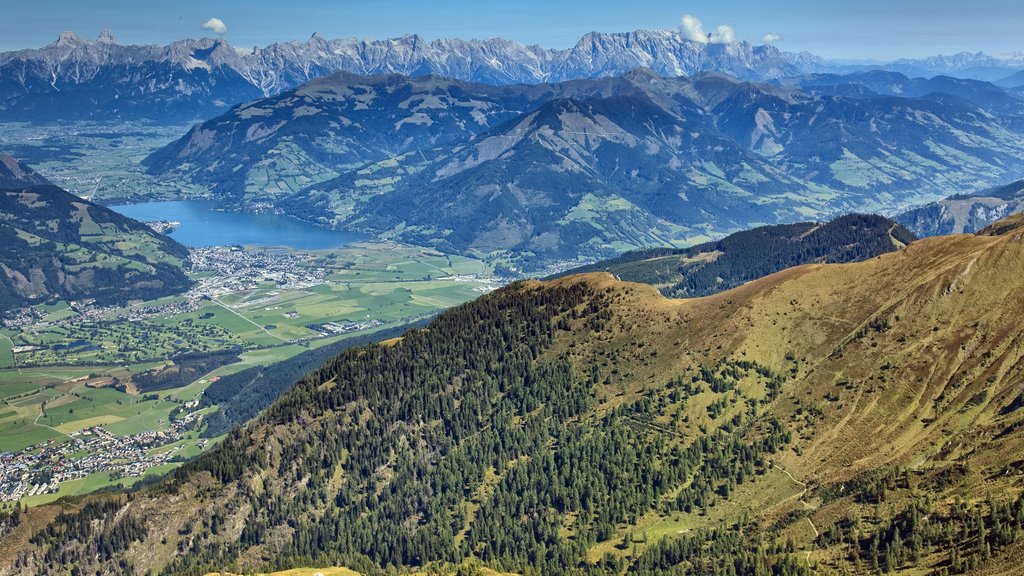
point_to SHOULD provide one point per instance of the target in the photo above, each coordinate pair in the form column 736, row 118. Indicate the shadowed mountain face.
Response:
column 14, row 174
column 59, row 246
column 965, row 212
column 718, row 266
column 589, row 167
column 837, row 412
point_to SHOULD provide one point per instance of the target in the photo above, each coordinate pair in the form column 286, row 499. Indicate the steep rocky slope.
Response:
column 965, row 212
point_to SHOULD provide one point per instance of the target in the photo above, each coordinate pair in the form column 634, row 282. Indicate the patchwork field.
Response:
column 76, row 366
column 99, row 162
column 42, row 405
column 348, row 291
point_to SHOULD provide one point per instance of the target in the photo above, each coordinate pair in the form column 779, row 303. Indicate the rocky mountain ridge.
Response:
column 74, row 78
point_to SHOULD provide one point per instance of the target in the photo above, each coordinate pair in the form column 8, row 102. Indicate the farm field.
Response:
column 342, row 291
column 111, row 342
column 72, row 368
column 41, row 405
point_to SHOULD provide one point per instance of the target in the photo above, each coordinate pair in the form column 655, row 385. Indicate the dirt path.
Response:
column 801, row 500
column 40, row 415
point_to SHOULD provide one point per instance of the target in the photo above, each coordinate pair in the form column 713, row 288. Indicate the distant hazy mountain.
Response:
column 973, row 65
column 965, row 213
column 1015, row 80
column 876, row 83
column 75, row 78
column 57, row 245
column 721, row 265
column 590, row 167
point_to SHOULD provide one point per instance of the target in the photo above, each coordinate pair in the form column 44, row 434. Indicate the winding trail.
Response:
column 40, row 415
column 801, row 500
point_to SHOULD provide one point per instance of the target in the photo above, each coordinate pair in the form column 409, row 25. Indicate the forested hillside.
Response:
column 243, row 395
column 57, row 245
column 120, row 261
column 744, row 256
column 830, row 419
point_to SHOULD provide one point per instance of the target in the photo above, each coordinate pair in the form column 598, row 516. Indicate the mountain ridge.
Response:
column 191, row 79
column 721, row 265
column 59, row 246
column 965, row 213
column 828, row 417
column 639, row 159
column 13, row 174
column 162, row 82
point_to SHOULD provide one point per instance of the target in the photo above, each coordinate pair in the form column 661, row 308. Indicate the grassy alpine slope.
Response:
column 845, row 418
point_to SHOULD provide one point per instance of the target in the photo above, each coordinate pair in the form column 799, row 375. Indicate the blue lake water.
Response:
column 202, row 224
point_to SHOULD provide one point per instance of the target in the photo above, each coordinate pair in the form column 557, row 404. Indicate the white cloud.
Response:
column 692, row 29
column 215, row 25
column 723, row 35
column 771, row 38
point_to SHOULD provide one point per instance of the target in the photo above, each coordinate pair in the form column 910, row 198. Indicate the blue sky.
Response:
column 855, row 29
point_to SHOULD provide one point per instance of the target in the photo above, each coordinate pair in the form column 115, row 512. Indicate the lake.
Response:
column 202, row 224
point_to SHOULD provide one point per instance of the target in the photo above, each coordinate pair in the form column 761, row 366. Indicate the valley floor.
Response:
column 69, row 371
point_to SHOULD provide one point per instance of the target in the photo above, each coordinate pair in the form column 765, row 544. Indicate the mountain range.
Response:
column 59, row 246
column 829, row 418
column 191, row 79
column 973, row 65
column 595, row 167
column 75, row 79
column 879, row 83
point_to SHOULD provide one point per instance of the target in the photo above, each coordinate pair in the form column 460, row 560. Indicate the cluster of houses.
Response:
column 40, row 469
column 235, row 269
